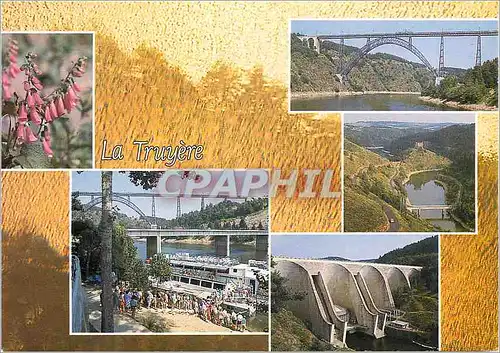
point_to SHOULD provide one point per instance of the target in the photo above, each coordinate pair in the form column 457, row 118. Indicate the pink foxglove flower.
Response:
column 76, row 88
column 47, row 115
column 26, row 86
column 53, row 110
column 30, row 100
column 30, row 136
column 23, row 114
column 37, row 98
column 37, row 83
column 60, row 106
column 6, row 95
column 5, row 79
column 46, row 148
column 34, row 117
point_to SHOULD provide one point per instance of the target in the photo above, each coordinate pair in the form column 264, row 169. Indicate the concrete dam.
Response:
column 343, row 297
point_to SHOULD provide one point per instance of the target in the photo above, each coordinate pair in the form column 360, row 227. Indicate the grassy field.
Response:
column 357, row 157
column 361, row 214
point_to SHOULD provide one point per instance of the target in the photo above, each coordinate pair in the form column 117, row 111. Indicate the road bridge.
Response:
column 364, row 291
column 222, row 239
column 125, row 198
column 417, row 208
column 403, row 39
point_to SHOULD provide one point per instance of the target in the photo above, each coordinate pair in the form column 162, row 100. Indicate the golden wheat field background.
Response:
column 216, row 74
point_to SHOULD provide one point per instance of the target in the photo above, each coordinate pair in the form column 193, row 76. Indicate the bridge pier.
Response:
column 441, row 58
column 222, row 245
column 153, row 246
column 478, row 51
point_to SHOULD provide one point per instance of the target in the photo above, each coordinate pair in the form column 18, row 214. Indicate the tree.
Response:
column 86, row 245
column 280, row 294
column 160, row 268
column 137, row 275
column 106, row 231
column 243, row 224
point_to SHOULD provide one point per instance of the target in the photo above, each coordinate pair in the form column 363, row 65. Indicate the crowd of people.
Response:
column 211, row 309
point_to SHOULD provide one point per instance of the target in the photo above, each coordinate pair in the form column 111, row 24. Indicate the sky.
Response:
column 442, row 117
column 165, row 207
column 459, row 51
column 352, row 247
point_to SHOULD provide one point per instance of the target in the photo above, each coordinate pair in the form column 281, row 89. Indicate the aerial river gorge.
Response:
column 366, row 102
column 422, row 189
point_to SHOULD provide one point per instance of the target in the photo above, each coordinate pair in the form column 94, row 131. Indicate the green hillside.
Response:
column 421, row 159
column 373, row 189
column 362, row 214
column 313, row 72
column 457, row 144
column 377, row 136
column 289, row 333
column 421, row 302
column 478, row 85
column 357, row 157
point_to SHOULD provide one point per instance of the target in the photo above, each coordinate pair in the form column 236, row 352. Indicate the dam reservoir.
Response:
column 368, row 102
column 422, row 189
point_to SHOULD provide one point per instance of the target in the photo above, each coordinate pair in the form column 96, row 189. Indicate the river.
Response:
column 366, row 102
column 241, row 252
column 362, row 342
column 422, row 189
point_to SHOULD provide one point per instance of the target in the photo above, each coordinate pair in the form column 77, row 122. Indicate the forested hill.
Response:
column 313, row 72
column 423, row 253
column 452, row 142
column 223, row 215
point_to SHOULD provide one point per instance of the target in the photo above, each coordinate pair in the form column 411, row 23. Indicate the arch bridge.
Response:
column 125, row 198
column 344, row 297
column 402, row 39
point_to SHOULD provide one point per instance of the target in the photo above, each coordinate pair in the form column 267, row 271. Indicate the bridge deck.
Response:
column 405, row 34
column 192, row 232
column 428, row 207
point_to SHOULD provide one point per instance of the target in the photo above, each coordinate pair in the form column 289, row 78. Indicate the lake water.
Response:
column 362, row 342
column 422, row 189
column 241, row 252
column 368, row 102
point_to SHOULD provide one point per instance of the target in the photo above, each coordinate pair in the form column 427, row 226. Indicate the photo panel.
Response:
column 372, row 292
column 393, row 65
column 411, row 172
column 189, row 255
column 47, row 100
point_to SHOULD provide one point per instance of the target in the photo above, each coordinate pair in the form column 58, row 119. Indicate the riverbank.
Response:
column 457, row 105
column 445, row 186
column 312, row 95
column 188, row 240
column 408, row 176
column 198, row 241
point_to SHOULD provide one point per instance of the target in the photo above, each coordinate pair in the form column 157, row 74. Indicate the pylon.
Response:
column 341, row 55
column 179, row 214
column 153, row 209
column 441, row 58
column 478, row 51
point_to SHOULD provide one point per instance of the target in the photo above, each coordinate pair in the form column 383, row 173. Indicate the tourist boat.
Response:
column 216, row 272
